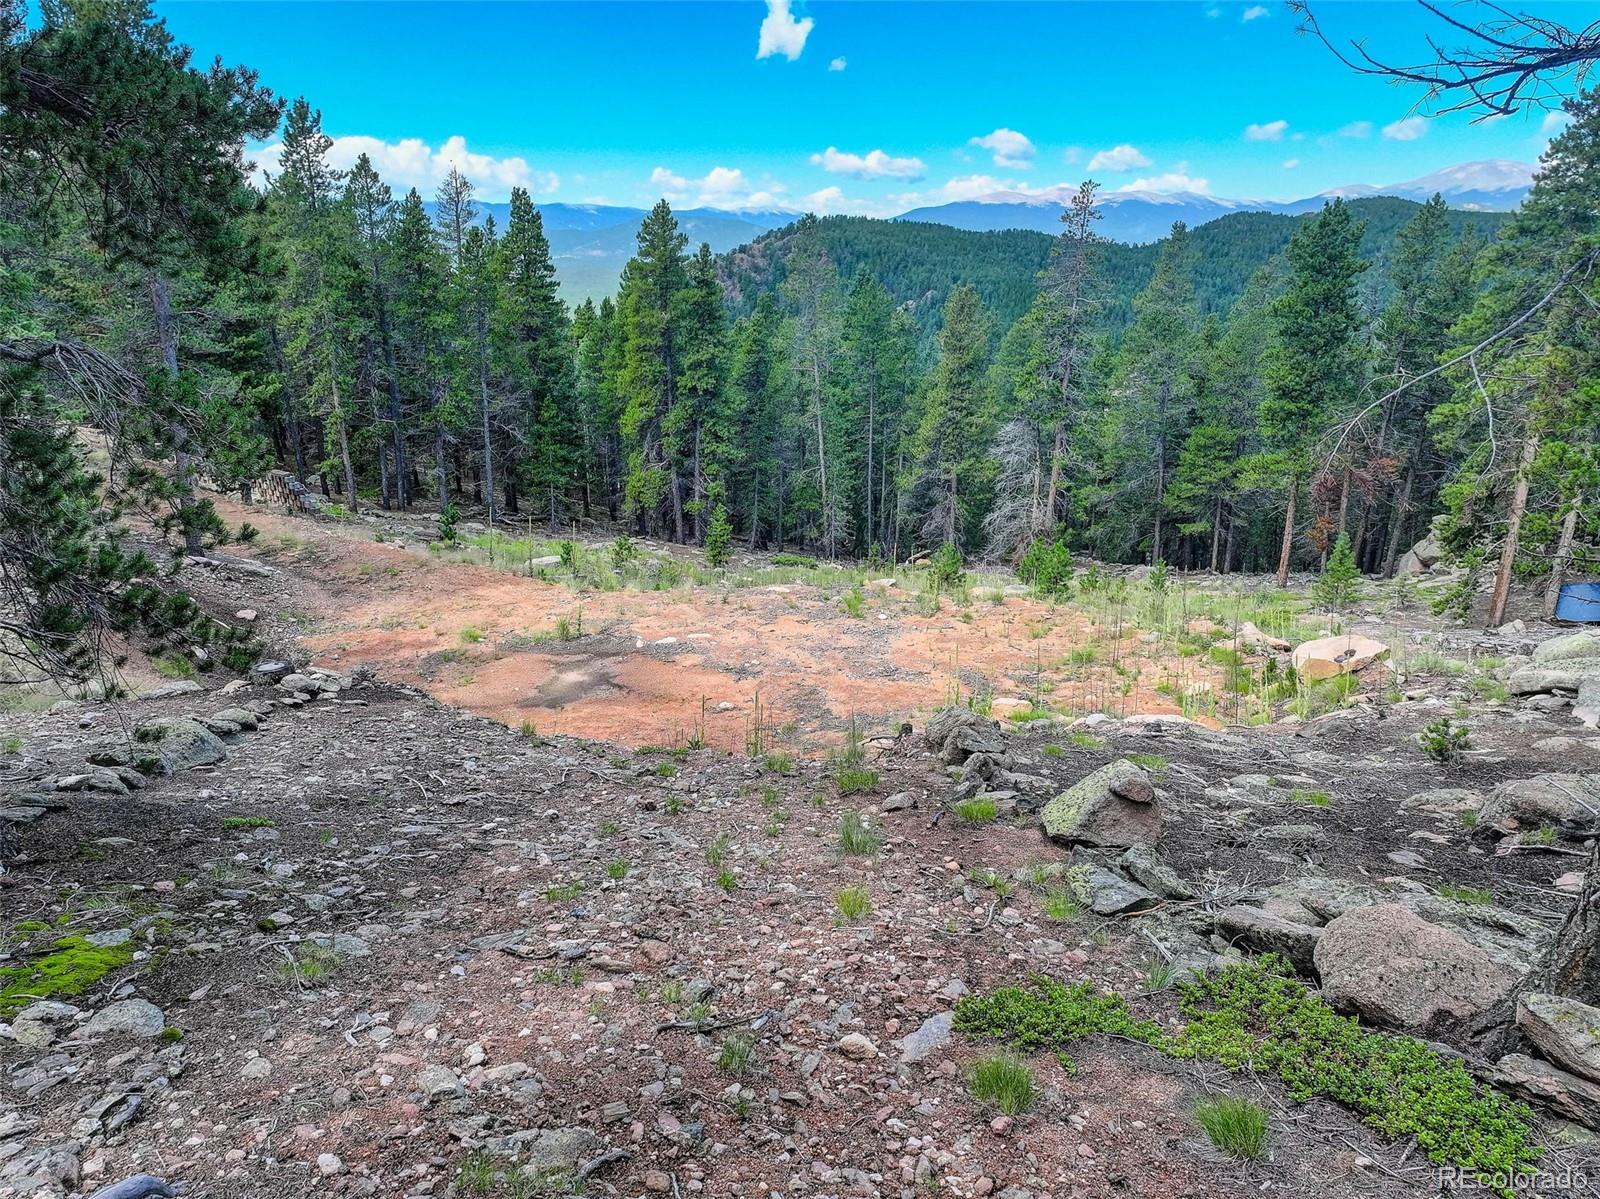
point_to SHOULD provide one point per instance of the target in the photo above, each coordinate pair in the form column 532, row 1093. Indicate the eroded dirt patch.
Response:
column 665, row 667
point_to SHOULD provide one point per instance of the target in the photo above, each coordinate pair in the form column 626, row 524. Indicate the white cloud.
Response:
column 875, row 164
column 1119, row 158
column 1357, row 129
column 781, row 33
column 720, row 187
column 1010, row 148
column 838, row 64
column 1554, row 123
column 1268, row 131
column 1407, row 129
column 1255, row 11
column 1172, row 181
column 1289, row 164
column 412, row 162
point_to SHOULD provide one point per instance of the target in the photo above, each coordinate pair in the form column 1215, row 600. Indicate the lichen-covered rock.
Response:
column 1142, row 864
column 1567, row 803
column 1115, row 807
column 171, row 744
column 1567, row 1095
column 1106, row 893
column 1390, row 966
column 1565, row 1030
column 955, row 734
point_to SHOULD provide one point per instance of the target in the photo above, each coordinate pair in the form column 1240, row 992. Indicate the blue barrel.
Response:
column 1579, row 602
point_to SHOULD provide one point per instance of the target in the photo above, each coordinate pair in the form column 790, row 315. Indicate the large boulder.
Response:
column 1327, row 657
column 1390, row 966
column 1565, row 1030
column 1568, row 803
column 1561, row 664
column 1115, row 807
column 171, row 744
column 955, row 734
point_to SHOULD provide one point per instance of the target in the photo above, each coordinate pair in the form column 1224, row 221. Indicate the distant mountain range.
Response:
column 590, row 243
column 1496, row 185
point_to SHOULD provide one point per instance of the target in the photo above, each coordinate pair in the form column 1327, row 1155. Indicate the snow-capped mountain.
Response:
column 1497, row 185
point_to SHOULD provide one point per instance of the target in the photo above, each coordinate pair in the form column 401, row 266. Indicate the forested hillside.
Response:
column 920, row 263
column 1235, row 397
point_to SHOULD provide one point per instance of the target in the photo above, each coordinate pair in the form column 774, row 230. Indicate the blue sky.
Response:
column 852, row 107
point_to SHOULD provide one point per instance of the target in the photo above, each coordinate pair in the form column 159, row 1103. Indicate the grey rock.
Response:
column 1568, row 802
column 933, row 1033
column 127, row 1018
column 172, row 744
column 955, row 734
column 242, row 717
column 39, row 1024
column 1106, row 893
column 1112, row 807
column 1145, row 866
column 1565, row 1030
column 1574, row 1098
column 552, row 1150
column 1265, row 932
column 438, row 1081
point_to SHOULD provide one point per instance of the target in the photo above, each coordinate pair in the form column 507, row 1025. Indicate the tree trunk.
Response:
column 1058, row 449
column 1216, row 534
column 1563, row 556
column 1508, row 552
column 677, row 506
column 182, row 470
column 822, row 461
column 440, row 467
column 872, row 403
column 1288, row 534
column 483, row 412
column 1397, row 530
column 344, row 450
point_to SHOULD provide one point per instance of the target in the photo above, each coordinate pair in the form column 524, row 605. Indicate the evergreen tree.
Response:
column 1311, row 367
column 317, row 235
column 1158, row 380
column 955, row 421
column 422, row 326
column 812, row 289
column 700, row 419
column 533, row 339
column 372, row 206
column 645, row 369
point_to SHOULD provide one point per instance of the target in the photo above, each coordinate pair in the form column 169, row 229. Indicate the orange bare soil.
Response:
column 653, row 667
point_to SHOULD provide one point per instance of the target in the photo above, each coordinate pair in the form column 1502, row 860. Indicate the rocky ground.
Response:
column 377, row 945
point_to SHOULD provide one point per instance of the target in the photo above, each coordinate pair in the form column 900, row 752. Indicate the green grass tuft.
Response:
column 1236, row 1126
column 1003, row 1082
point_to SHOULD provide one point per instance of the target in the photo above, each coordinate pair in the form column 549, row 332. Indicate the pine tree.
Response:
column 422, row 323
column 317, row 235
column 812, row 288
column 533, row 338
column 1339, row 585
column 1311, row 367
column 372, row 205
column 719, row 537
column 646, row 368
column 699, row 418
column 1158, row 381
column 955, row 422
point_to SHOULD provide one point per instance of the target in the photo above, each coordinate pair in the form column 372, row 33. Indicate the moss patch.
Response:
column 70, row 968
column 1256, row 1016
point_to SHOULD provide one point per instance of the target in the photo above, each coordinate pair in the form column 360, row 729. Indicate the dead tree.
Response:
column 1499, row 65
